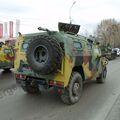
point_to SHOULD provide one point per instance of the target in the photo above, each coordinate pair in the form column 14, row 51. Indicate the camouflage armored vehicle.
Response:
column 62, row 60
column 108, row 52
column 6, row 56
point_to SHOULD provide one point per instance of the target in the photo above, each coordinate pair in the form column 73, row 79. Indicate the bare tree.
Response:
column 108, row 32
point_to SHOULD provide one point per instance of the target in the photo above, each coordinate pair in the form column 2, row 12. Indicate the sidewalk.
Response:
column 114, row 113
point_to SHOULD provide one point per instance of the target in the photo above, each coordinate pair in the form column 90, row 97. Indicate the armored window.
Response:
column 77, row 45
column 24, row 46
column 7, row 51
column 89, row 46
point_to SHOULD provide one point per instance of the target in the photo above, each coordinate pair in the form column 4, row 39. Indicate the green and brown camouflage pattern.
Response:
column 107, row 52
column 80, row 54
column 6, row 57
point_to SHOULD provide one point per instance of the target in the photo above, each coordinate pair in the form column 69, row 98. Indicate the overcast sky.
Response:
column 47, row 13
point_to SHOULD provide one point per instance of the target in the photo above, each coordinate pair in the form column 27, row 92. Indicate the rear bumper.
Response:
column 4, row 65
column 21, row 79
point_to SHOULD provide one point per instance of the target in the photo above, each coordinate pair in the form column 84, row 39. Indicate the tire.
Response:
column 102, row 76
column 30, row 89
column 44, row 55
column 72, row 93
column 6, row 69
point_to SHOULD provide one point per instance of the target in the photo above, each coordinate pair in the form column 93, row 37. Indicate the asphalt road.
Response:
column 95, row 104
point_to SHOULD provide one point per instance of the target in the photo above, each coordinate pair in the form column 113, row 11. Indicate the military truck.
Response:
column 6, row 56
column 60, row 59
column 108, row 52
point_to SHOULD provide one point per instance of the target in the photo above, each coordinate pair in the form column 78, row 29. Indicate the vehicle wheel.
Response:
column 6, row 69
column 30, row 89
column 72, row 93
column 102, row 77
column 44, row 55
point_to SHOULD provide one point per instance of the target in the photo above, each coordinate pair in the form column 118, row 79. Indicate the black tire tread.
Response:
column 57, row 51
column 100, row 79
column 65, row 96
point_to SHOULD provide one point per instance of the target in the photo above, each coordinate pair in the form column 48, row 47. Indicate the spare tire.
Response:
column 44, row 54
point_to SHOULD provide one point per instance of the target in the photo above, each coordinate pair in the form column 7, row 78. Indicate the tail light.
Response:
column 56, row 83
column 20, row 76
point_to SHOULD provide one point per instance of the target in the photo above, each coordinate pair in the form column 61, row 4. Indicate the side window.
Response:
column 24, row 46
column 77, row 45
column 89, row 46
column 7, row 51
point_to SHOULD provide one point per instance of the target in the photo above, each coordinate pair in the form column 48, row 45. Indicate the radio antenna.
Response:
column 70, row 12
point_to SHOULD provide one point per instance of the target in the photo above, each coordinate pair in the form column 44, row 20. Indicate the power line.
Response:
column 23, row 21
column 13, row 17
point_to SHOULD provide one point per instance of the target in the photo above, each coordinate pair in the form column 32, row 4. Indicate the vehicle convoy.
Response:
column 6, row 56
column 60, row 59
column 108, row 52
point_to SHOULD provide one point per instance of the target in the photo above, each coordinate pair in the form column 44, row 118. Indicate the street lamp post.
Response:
column 70, row 11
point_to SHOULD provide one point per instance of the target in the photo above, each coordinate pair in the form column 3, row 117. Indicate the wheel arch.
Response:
column 80, row 70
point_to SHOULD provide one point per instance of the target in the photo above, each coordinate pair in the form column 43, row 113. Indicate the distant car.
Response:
column 117, row 50
column 108, row 52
